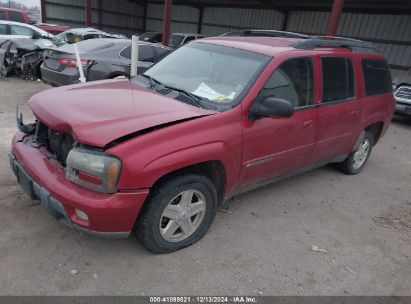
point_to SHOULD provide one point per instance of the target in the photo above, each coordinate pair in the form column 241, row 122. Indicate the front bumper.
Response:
column 402, row 108
column 43, row 179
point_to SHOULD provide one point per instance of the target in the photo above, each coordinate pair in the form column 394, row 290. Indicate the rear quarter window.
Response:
column 377, row 76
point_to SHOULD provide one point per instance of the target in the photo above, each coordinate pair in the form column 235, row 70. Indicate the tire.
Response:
column 356, row 161
column 166, row 200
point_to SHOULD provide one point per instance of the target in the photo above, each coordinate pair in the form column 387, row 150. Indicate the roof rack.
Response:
column 357, row 46
column 266, row 33
column 309, row 42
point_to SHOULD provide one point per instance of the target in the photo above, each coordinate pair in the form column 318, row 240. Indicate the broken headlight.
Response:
column 93, row 170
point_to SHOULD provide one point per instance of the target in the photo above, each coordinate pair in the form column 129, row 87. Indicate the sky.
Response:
column 29, row 3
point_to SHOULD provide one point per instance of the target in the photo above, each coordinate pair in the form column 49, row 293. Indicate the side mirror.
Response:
column 36, row 36
column 271, row 107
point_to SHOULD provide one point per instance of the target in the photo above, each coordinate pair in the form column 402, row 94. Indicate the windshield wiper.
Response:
column 194, row 98
column 153, row 82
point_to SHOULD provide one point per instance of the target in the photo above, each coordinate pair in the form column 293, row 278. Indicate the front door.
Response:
column 274, row 146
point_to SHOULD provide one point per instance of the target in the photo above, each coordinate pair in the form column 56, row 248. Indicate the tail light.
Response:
column 72, row 62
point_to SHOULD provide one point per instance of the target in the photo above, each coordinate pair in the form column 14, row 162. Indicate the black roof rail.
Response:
column 266, row 33
column 357, row 46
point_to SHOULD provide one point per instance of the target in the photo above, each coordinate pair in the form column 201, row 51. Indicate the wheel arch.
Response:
column 214, row 170
column 376, row 129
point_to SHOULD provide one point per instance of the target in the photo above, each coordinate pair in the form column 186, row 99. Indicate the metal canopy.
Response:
column 358, row 6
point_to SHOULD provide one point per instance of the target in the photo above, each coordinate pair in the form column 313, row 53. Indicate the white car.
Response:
column 10, row 30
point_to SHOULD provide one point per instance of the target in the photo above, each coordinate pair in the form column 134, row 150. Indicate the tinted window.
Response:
column 338, row 78
column 2, row 15
column 190, row 38
column 293, row 81
column 145, row 53
column 3, row 29
column 16, row 16
column 91, row 36
column 126, row 53
column 21, row 30
column 377, row 77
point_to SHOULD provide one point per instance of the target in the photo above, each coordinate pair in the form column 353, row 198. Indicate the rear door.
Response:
column 340, row 111
column 276, row 146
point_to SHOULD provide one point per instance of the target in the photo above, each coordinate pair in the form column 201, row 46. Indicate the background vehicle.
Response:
column 9, row 14
column 52, row 28
column 217, row 117
column 402, row 93
column 176, row 39
column 153, row 37
column 101, row 59
column 10, row 30
column 179, row 39
column 79, row 34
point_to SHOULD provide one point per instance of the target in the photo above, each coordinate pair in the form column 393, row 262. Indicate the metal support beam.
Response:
column 100, row 14
column 334, row 19
column 145, row 16
column 43, row 11
column 200, row 20
column 285, row 22
column 88, row 16
column 168, row 4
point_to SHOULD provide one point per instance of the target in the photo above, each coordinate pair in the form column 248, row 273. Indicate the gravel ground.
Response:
column 261, row 246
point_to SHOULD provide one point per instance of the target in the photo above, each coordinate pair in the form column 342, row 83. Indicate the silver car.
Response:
column 100, row 59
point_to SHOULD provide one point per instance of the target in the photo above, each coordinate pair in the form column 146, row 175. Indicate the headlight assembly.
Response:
column 94, row 170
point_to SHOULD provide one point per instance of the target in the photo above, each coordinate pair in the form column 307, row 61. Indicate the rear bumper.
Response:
column 43, row 179
column 59, row 78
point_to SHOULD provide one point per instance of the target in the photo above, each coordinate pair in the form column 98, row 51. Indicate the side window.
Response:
column 16, row 16
column 2, row 15
column 338, row 78
column 189, row 38
column 293, row 80
column 126, row 53
column 91, row 36
column 377, row 76
column 3, row 29
column 146, row 53
column 21, row 30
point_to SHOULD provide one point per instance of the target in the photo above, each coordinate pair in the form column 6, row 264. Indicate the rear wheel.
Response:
column 357, row 160
column 177, row 214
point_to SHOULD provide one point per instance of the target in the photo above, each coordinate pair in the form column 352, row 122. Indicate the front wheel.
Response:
column 177, row 213
column 357, row 160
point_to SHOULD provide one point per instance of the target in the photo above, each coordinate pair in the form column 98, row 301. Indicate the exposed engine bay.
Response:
column 22, row 57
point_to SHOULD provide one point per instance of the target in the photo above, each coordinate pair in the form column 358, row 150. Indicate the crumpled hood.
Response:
column 98, row 113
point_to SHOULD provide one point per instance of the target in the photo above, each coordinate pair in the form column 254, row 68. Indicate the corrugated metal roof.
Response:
column 382, row 6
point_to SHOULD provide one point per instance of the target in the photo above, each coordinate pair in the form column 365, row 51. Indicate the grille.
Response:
column 403, row 94
column 57, row 143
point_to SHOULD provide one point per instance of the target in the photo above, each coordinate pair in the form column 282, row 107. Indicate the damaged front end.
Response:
column 58, row 144
column 22, row 57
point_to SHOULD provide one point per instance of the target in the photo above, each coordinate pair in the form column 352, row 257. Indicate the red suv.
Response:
column 15, row 15
column 158, row 154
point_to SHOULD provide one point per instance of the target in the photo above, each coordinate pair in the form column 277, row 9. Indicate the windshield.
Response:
column 218, row 74
column 175, row 40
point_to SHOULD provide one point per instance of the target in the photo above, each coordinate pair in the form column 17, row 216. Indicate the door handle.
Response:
column 308, row 123
column 355, row 113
